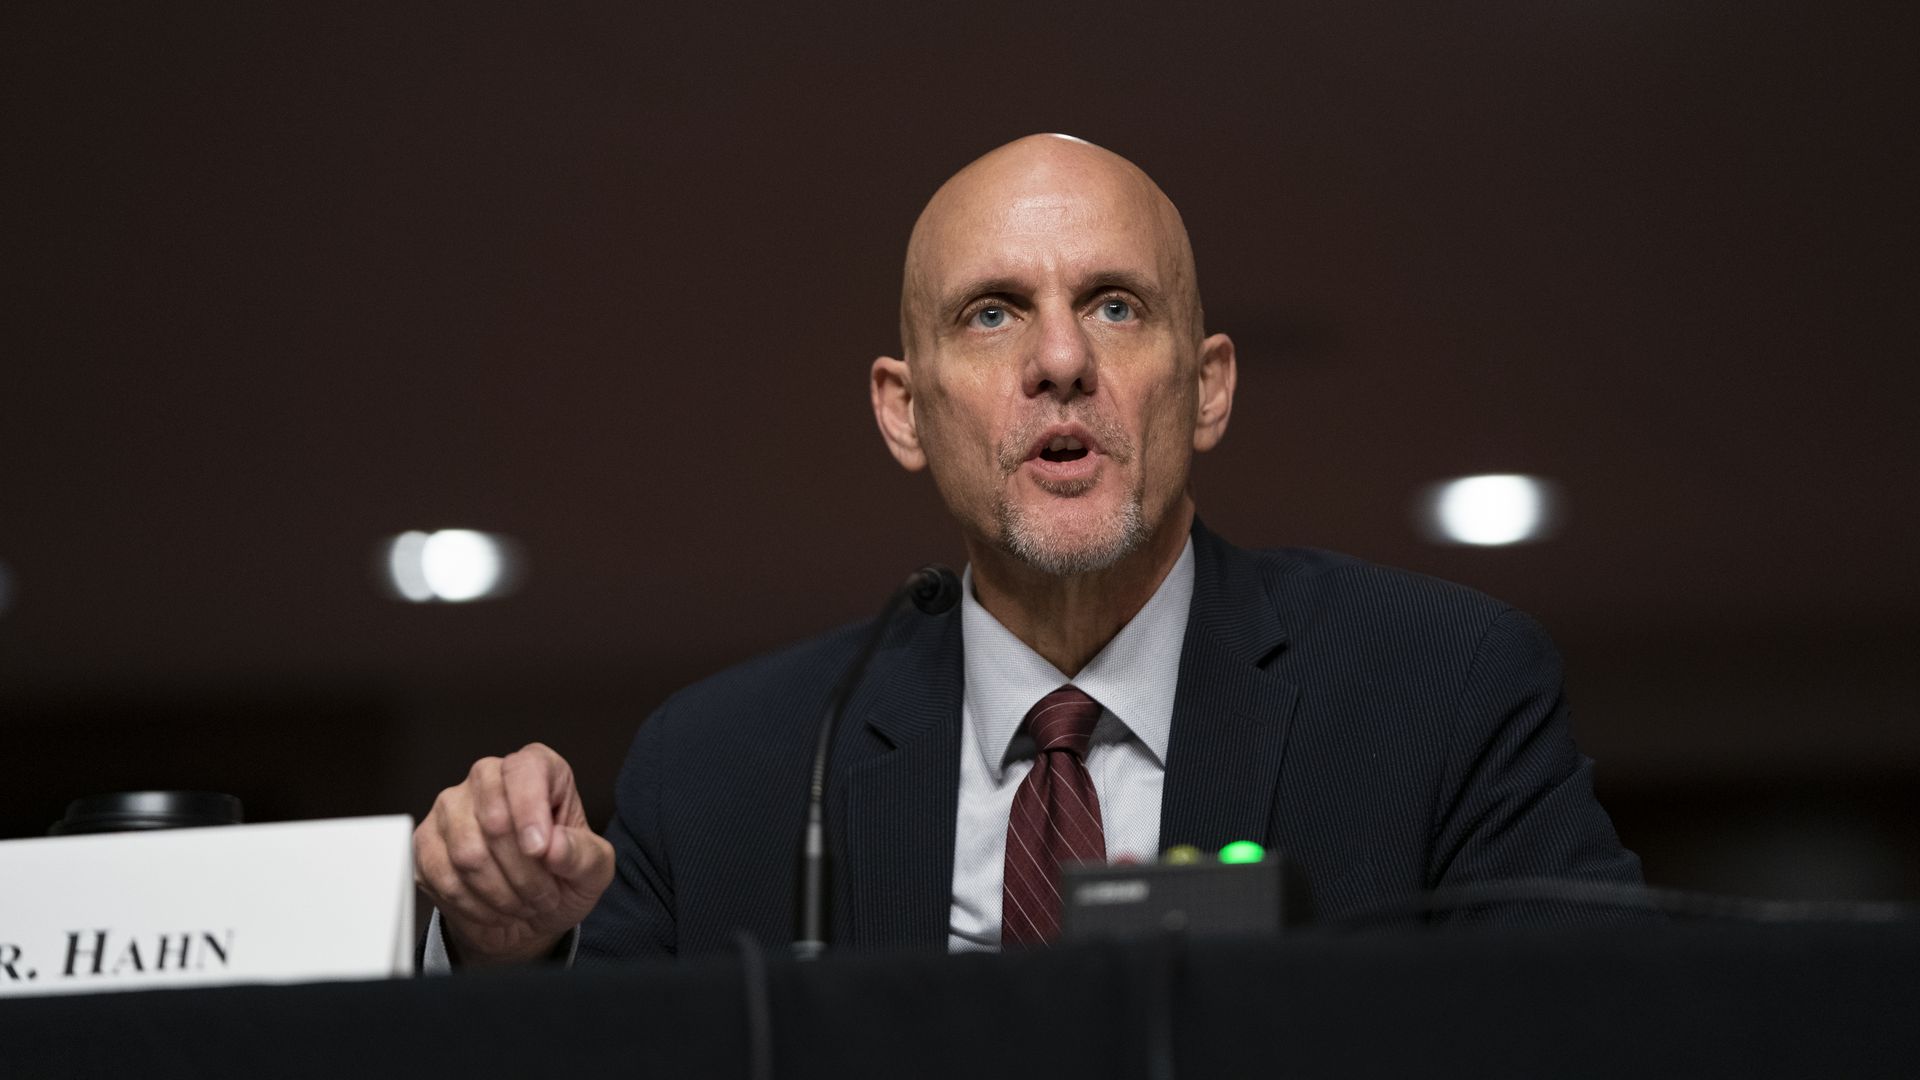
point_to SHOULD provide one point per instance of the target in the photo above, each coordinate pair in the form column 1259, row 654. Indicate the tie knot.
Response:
column 1064, row 720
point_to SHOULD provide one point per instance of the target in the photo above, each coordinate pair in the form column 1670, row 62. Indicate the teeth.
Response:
column 1063, row 442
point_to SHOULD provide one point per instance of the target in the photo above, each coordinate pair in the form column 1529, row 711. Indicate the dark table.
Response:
column 1745, row 1001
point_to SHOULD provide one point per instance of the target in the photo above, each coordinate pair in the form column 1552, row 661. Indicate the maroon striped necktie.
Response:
column 1056, row 817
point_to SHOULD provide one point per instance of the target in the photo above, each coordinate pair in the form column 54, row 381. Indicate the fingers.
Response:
column 477, row 850
column 536, row 781
column 437, row 873
column 474, row 879
column 531, row 885
column 476, row 854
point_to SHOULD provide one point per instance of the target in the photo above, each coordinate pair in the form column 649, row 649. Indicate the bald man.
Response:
column 1391, row 733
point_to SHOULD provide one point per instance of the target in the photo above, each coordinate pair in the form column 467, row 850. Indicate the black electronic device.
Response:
column 1242, row 895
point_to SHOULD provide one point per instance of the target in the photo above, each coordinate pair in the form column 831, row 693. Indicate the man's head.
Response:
column 1055, row 377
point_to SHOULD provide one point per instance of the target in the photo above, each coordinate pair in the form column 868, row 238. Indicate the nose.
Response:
column 1061, row 363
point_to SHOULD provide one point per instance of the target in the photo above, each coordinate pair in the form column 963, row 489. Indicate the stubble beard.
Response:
column 1045, row 546
column 1051, row 546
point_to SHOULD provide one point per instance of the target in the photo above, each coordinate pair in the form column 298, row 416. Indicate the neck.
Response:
column 1069, row 619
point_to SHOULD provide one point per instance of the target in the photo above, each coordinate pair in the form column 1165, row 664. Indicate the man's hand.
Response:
column 508, row 858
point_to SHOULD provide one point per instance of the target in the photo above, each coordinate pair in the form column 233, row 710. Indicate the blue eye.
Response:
column 1116, row 311
column 990, row 318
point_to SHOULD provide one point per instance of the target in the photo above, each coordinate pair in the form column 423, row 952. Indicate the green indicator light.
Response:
column 1242, row 851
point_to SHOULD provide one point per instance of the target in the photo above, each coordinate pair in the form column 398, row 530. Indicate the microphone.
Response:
column 934, row 590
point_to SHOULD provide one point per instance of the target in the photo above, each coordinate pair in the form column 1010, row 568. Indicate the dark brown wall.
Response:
column 283, row 281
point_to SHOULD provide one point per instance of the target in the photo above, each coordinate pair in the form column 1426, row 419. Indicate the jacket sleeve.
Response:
column 635, row 916
column 1518, row 799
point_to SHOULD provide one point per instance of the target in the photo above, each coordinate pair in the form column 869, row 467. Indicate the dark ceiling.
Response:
column 286, row 279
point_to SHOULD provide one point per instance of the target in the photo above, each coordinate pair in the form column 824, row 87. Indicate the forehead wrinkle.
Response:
column 1002, row 255
column 1043, row 180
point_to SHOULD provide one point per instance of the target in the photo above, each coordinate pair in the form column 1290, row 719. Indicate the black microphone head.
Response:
column 935, row 589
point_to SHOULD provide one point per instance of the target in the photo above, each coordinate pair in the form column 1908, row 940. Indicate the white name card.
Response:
column 286, row 902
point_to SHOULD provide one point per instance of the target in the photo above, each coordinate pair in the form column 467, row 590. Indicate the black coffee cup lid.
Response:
column 128, row 810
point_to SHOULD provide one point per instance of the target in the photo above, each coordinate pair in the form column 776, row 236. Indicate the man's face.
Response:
column 1053, row 363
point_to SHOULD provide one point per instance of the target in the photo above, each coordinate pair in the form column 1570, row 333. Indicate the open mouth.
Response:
column 1063, row 448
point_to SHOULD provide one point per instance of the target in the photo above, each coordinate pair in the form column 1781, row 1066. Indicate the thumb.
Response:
column 577, row 853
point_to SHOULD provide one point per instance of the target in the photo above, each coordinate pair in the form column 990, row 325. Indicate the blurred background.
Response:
column 285, row 282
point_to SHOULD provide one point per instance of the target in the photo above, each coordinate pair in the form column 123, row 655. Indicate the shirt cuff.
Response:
column 435, row 960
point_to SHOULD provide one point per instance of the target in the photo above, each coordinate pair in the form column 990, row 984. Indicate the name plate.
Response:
column 288, row 902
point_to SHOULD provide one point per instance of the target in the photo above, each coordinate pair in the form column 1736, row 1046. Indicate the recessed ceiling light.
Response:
column 1489, row 510
column 450, row 565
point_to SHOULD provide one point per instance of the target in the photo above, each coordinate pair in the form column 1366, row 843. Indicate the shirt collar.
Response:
column 1133, row 677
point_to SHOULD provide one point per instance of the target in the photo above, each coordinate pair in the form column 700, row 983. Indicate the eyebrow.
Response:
column 1096, row 281
column 960, row 296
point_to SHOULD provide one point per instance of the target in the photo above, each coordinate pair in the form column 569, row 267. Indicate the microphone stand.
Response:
column 933, row 589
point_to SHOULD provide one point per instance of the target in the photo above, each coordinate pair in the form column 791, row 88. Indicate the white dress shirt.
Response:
column 1133, row 680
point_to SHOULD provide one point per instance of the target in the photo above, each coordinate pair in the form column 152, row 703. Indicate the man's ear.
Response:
column 1215, row 403
column 893, row 411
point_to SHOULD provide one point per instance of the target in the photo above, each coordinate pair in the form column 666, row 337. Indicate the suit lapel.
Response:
column 898, row 755
column 1230, row 717
column 894, row 873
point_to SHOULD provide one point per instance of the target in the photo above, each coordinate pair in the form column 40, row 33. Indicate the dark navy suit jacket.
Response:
column 1390, row 732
